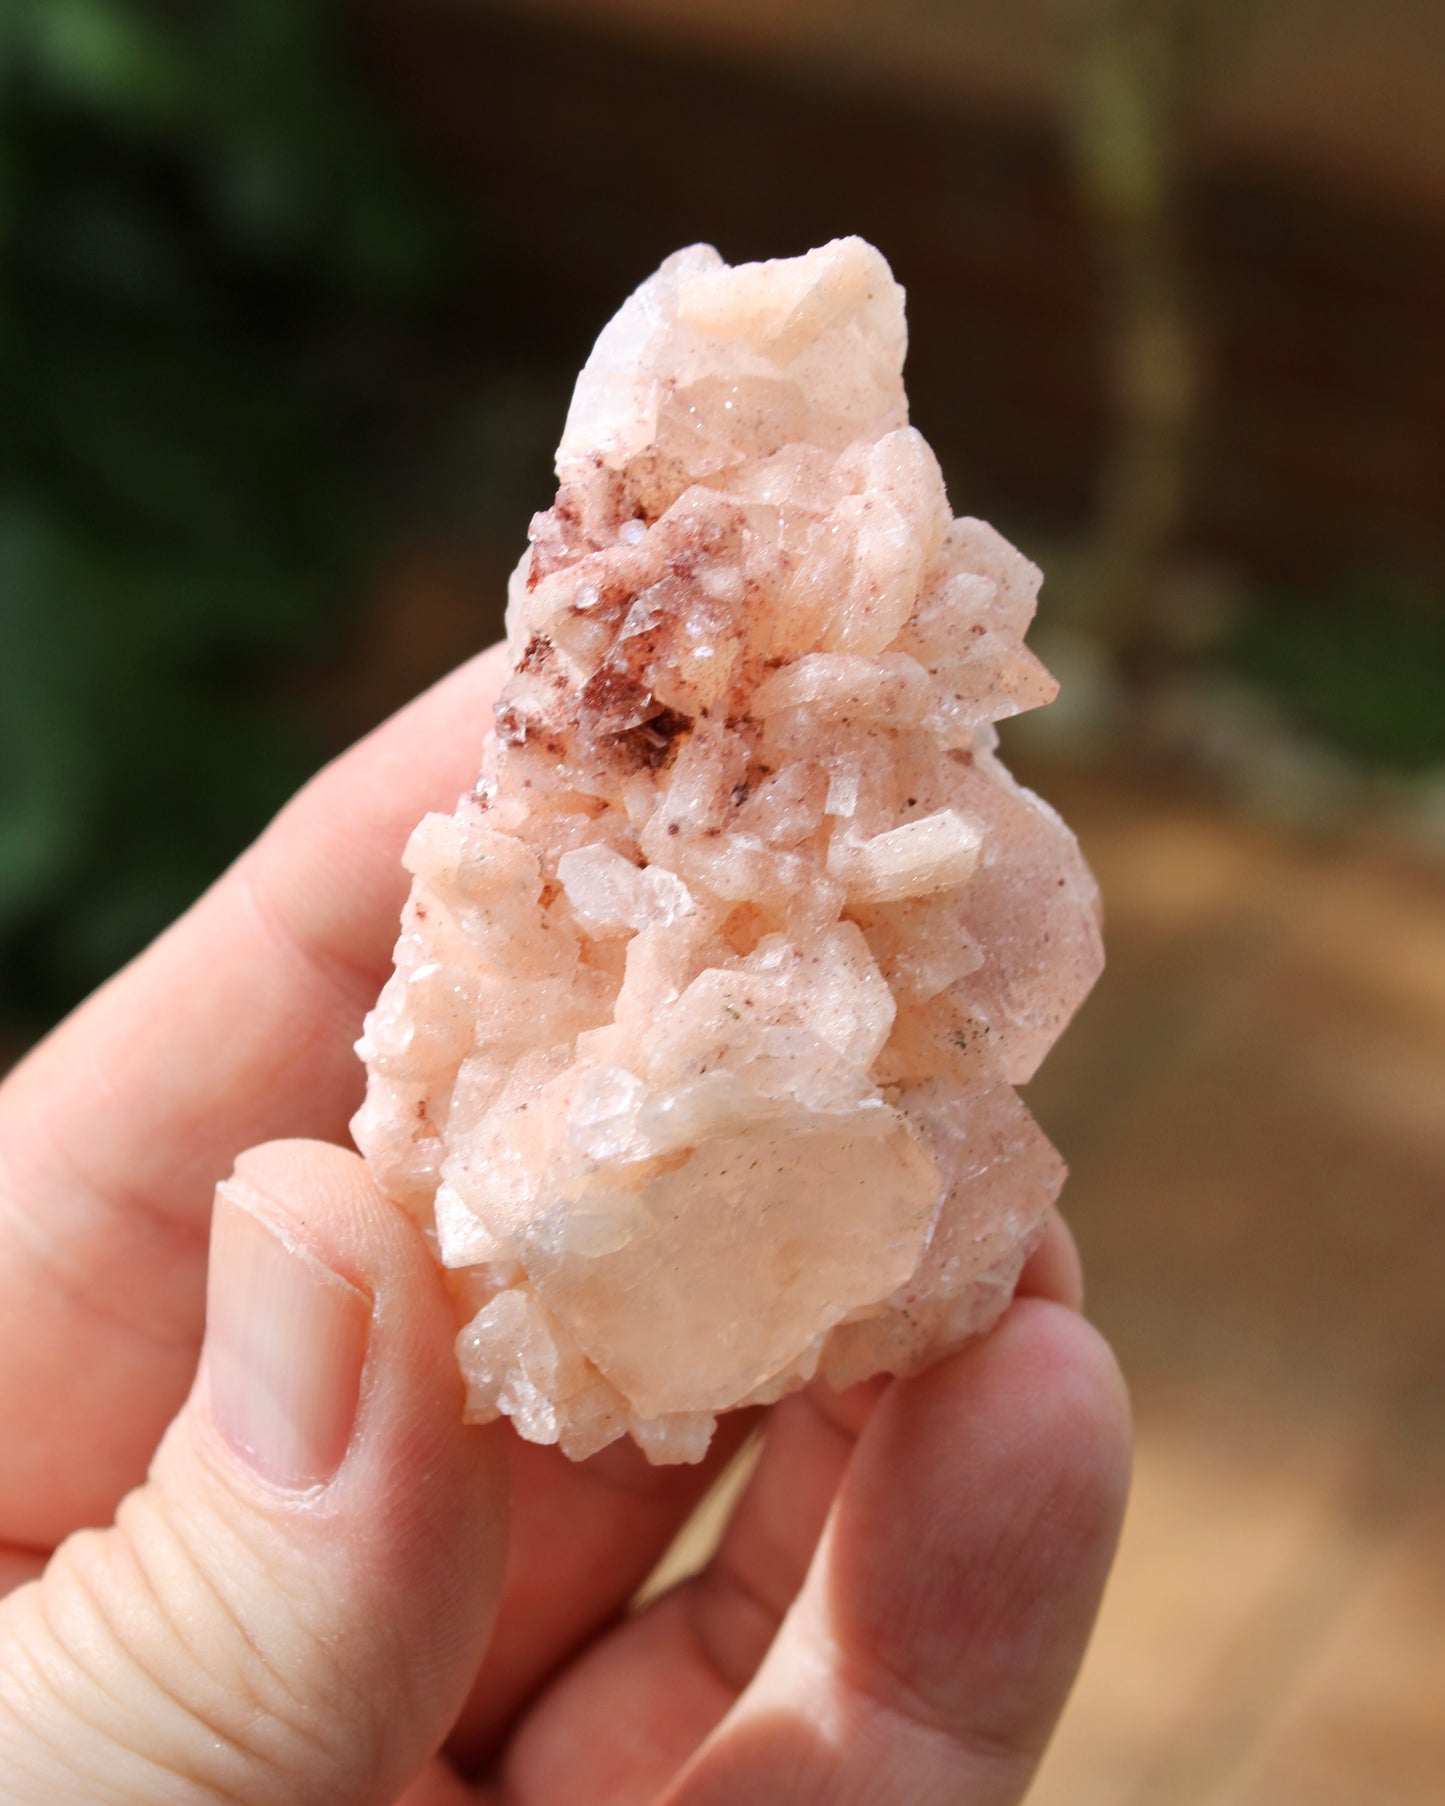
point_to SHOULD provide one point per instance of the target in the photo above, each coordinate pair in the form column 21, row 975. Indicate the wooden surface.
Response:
column 1255, row 1111
column 1254, row 1108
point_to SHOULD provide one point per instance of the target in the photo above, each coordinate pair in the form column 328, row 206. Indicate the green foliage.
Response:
column 208, row 250
column 1360, row 662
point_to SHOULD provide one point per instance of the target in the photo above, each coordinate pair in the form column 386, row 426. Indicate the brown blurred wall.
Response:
column 593, row 141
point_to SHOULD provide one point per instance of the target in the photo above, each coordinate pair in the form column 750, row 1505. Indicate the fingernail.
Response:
column 285, row 1342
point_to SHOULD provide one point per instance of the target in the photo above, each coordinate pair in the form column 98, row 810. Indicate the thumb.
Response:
column 292, row 1607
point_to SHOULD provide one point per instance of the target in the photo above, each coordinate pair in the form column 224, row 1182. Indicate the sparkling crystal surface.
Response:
column 698, row 1062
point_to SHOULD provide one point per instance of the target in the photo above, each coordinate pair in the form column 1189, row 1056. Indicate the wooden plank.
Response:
column 1237, row 1543
column 1366, row 1722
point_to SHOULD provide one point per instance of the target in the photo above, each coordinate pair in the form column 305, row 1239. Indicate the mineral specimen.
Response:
column 698, row 1060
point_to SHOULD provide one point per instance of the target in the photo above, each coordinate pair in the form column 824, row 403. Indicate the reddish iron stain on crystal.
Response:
column 698, row 1062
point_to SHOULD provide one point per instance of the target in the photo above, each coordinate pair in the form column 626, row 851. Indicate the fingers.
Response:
column 291, row 1609
column 1054, row 1269
column 946, row 1611
column 234, row 1027
column 644, row 1698
column 693, row 1651
column 16, row 1567
column 626, row 1715
column 585, row 1535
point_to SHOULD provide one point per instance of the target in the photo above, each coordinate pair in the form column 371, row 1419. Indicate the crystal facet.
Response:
column 697, row 1064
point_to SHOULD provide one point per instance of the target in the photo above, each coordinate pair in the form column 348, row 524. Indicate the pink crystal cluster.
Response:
column 709, row 1002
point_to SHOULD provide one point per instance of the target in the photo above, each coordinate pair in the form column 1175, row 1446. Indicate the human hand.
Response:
column 314, row 1587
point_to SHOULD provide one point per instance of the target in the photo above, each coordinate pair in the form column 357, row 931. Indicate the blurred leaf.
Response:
column 208, row 241
column 115, row 56
column 46, row 755
column 1360, row 662
column 97, row 241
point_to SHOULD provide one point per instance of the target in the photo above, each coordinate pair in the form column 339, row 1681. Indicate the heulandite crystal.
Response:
column 698, row 1061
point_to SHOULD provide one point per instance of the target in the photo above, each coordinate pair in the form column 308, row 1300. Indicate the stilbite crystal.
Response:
column 698, row 1061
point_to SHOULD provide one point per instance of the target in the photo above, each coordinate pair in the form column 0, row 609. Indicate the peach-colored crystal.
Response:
column 698, row 1061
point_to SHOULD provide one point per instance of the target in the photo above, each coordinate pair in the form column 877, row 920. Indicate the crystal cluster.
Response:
column 698, row 1059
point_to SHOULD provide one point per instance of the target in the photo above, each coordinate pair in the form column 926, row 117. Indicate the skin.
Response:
column 899, row 1603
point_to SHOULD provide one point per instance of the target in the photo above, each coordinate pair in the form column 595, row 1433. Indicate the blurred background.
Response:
column 291, row 297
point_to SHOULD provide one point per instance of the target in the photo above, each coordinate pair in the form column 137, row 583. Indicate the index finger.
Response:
column 235, row 1027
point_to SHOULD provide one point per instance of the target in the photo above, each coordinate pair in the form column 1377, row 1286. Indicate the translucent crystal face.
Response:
column 697, row 1064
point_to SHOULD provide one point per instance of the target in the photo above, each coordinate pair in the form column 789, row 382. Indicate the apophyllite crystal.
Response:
column 698, row 1060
